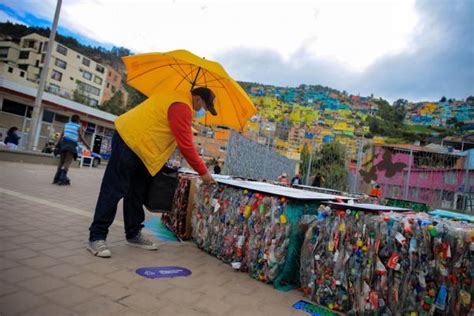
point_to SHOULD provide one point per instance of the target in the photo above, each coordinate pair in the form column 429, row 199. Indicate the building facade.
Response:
column 70, row 75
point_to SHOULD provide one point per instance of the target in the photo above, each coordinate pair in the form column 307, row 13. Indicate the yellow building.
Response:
column 69, row 70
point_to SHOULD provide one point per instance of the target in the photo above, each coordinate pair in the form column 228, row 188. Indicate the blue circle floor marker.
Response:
column 163, row 272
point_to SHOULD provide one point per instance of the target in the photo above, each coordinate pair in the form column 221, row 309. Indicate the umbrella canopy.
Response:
column 181, row 70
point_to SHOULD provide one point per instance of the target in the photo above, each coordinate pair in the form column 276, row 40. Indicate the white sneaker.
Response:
column 99, row 248
column 142, row 242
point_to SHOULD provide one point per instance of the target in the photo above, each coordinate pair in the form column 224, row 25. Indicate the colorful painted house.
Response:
column 421, row 175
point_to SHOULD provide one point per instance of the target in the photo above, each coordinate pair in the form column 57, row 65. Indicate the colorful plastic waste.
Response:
column 178, row 219
column 257, row 232
column 389, row 264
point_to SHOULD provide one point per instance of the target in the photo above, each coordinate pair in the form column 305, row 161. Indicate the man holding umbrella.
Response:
column 144, row 140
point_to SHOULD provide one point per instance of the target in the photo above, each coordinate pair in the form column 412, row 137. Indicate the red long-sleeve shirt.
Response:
column 180, row 118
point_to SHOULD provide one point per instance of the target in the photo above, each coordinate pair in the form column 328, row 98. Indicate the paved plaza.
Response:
column 46, row 270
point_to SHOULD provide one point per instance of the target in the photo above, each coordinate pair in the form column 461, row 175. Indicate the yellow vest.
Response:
column 146, row 131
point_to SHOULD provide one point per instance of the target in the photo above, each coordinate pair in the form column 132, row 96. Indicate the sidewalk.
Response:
column 45, row 269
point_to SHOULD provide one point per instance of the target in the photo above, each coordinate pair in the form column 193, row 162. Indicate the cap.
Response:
column 208, row 96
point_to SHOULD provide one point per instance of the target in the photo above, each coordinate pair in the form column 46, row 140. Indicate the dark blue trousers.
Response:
column 125, row 177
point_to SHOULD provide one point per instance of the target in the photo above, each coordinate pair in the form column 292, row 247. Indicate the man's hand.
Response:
column 207, row 179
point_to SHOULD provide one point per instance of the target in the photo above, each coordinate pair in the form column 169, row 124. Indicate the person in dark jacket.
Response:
column 296, row 180
column 67, row 145
column 217, row 168
column 318, row 180
column 12, row 138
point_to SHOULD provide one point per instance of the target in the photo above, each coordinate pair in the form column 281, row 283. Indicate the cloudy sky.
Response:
column 412, row 49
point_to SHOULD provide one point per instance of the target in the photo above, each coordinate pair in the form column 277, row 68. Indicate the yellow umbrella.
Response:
column 181, row 70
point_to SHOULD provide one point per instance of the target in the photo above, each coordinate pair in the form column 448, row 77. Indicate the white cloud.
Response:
column 413, row 49
column 353, row 33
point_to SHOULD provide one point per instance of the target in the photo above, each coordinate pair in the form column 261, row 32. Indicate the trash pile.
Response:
column 178, row 220
column 388, row 263
column 255, row 232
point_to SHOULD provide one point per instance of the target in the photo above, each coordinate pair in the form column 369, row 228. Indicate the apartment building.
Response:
column 113, row 84
column 70, row 75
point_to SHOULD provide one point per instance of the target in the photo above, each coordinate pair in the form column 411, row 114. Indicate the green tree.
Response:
column 329, row 161
column 135, row 97
column 305, row 153
column 115, row 104
column 79, row 96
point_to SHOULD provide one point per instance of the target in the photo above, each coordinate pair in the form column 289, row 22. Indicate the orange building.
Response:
column 113, row 83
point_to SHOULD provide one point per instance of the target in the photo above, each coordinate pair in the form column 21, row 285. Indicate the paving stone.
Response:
column 7, row 288
column 18, row 302
column 181, row 296
column 50, row 309
column 123, row 276
column 101, row 267
column 142, row 301
column 44, row 252
column 69, row 296
column 7, row 263
column 42, row 284
column 100, row 305
column 114, row 290
column 21, row 253
column 23, row 239
column 83, row 258
column 59, row 252
column 18, row 274
column 63, row 270
column 40, row 245
column 87, row 280
column 40, row 262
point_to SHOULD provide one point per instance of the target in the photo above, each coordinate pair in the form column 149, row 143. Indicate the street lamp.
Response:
column 33, row 135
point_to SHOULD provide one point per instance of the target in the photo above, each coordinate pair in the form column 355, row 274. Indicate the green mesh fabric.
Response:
column 289, row 276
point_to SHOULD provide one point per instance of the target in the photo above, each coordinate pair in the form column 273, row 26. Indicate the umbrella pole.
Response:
column 195, row 79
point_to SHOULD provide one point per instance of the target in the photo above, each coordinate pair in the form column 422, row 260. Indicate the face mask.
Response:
column 200, row 113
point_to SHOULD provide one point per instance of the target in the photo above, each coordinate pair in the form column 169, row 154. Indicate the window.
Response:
column 100, row 69
column 13, row 107
column 78, row 56
column 93, row 102
column 42, row 58
column 87, row 88
column 23, row 66
column 37, row 63
column 450, row 177
column 3, row 52
column 56, row 75
column 61, row 49
column 53, row 88
column 86, row 75
column 108, row 85
column 48, row 116
column 113, row 89
column 10, row 69
column 71, row 78
column 24, row 55
column 60, row 63
column 31, row 44
column 97, row 80
column 22, row 74
column 61, row 118
column 45, row 47
column 86, row 62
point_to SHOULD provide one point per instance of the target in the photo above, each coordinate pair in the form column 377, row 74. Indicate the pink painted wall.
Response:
column 426, row 185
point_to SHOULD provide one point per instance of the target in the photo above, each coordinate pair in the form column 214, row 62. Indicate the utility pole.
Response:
column 359, row 165
column 33, row 135
column 407, row 186
column 310, row 162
